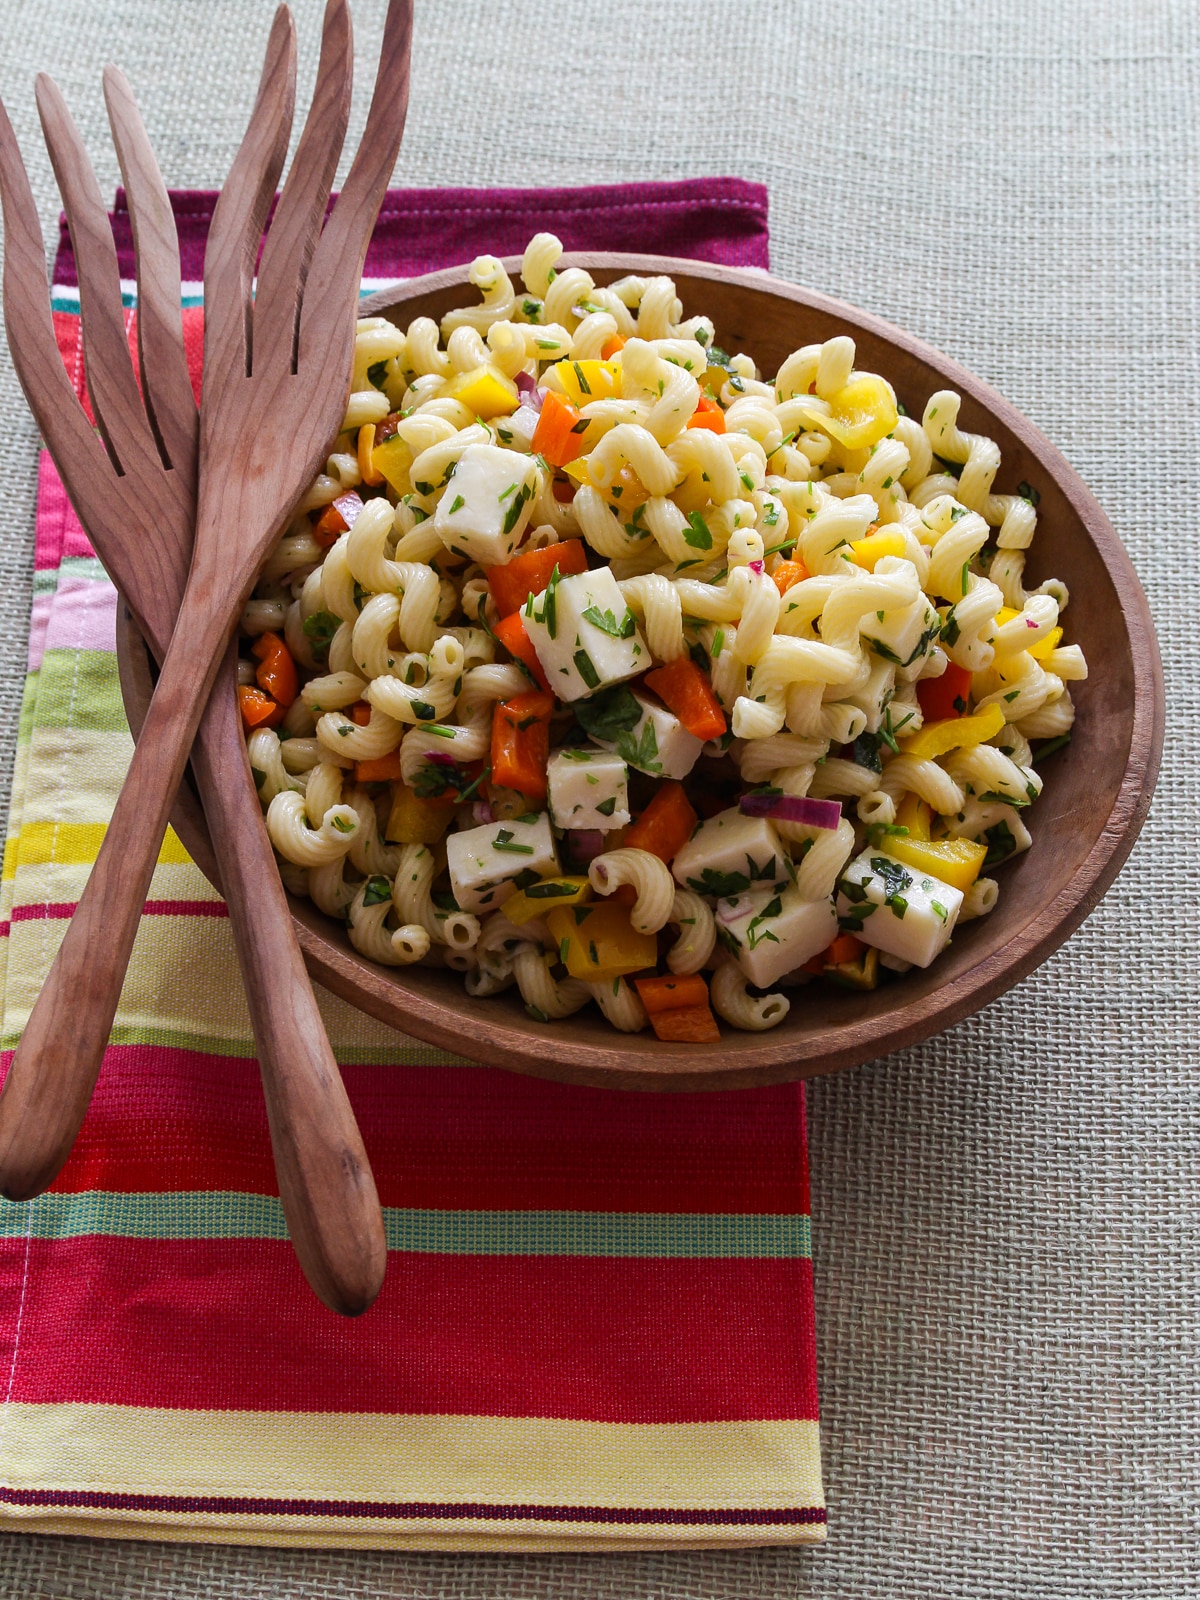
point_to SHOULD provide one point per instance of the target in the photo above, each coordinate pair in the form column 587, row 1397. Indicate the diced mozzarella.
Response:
column 658, row 743
column 904, row 635
column 730, row 853
column 485, row 507
column 588, row 789
column 483, row 862
column 518, row 430
column 771, row 932
column 896, row 908
column 580, row 655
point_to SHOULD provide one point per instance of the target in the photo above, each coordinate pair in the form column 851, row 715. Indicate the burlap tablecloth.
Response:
column 1006, row 1220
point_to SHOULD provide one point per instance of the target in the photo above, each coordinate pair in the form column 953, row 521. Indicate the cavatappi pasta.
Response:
column 597, row 667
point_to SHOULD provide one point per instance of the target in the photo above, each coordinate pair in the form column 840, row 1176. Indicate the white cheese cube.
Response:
column 658, row 743
column 585, row 635
column 518, row 430
column 903, row 636
column 486, row 504
column 731, row 853
column 588, row 789
column 484, row 862
column 896, row 908
column 770, row 932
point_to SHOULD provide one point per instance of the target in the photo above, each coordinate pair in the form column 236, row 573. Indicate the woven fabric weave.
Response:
column 1007, row 1261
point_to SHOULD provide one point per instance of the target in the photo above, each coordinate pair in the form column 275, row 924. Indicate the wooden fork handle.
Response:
column 325, row 1180
column 339, row 1230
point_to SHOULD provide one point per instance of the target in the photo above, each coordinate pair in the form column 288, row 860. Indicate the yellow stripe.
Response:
column 78, row 843
column 328, row 1534
column 377, row 1457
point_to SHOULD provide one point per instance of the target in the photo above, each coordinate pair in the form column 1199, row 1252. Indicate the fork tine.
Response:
column 115, row 398
column 245, row 199
column 337, row 262
column 30, row 326
column 166, row 385
column 301, row 210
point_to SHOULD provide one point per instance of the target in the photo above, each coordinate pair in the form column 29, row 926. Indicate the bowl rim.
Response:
column 754, row 1058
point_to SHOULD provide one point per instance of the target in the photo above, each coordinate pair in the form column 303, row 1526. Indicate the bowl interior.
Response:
column 1095, row 797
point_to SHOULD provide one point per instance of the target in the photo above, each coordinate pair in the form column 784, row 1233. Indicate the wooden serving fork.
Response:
column 276, row 376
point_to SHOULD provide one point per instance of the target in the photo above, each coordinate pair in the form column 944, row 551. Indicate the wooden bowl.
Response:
column 1096, row 796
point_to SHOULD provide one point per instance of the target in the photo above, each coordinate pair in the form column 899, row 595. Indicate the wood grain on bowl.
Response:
column 1095, row 799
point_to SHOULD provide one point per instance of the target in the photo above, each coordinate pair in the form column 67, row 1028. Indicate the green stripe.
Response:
column 226, row 1215
column 46, row 580
column 400, row 1051
column 79, row 689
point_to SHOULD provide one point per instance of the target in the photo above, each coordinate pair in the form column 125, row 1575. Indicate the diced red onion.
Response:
column 525, row 384
column 756, row 566
column 793, row 808
column 348, row 506
column 585, row 843
column 440, row 758
column 481, row 813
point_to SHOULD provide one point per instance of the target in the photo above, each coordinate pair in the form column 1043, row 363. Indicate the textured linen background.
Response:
column 1006, row 1220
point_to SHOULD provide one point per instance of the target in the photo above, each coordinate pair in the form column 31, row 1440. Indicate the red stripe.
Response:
column 451, row 1138
column 64, row 910
column 232, row 1324
column 423, row 1510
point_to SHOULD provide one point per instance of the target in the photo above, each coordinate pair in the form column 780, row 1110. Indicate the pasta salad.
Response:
column 596, row 666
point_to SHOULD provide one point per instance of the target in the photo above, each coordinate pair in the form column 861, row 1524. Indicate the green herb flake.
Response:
column 457, row 504
column 586, row 669
column 607, row 623
column 377, row 891
column 505, row 843
column 697, row 534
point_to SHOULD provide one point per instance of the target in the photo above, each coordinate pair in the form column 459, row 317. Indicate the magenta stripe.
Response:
column 411, row 1510
column 59, row 532
column 62, row 911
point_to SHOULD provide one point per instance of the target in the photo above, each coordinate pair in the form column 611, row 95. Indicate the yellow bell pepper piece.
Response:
column 548, row 895
column 1044, row 645
column 598, row 942
column 866, row 552
column 391, row 460
column 365, row 449
column 863, row 412
column 484, row 391
column 953, row 733
column 577, row 470
column 585, row 381
column 912, row 813
column 415, row 820
column 953, row 861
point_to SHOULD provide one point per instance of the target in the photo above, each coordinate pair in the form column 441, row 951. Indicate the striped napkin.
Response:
column 596, row 1330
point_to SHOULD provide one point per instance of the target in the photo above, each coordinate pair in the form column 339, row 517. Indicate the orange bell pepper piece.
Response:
column 685, row 690
column 556, row 436
column 708, row 414
column 521, row 743
column 787, row 573
column 529, row 573
column 382, row 769
column 510, row 632
column 258, row 709
column 666, row 825
column 277, row 671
